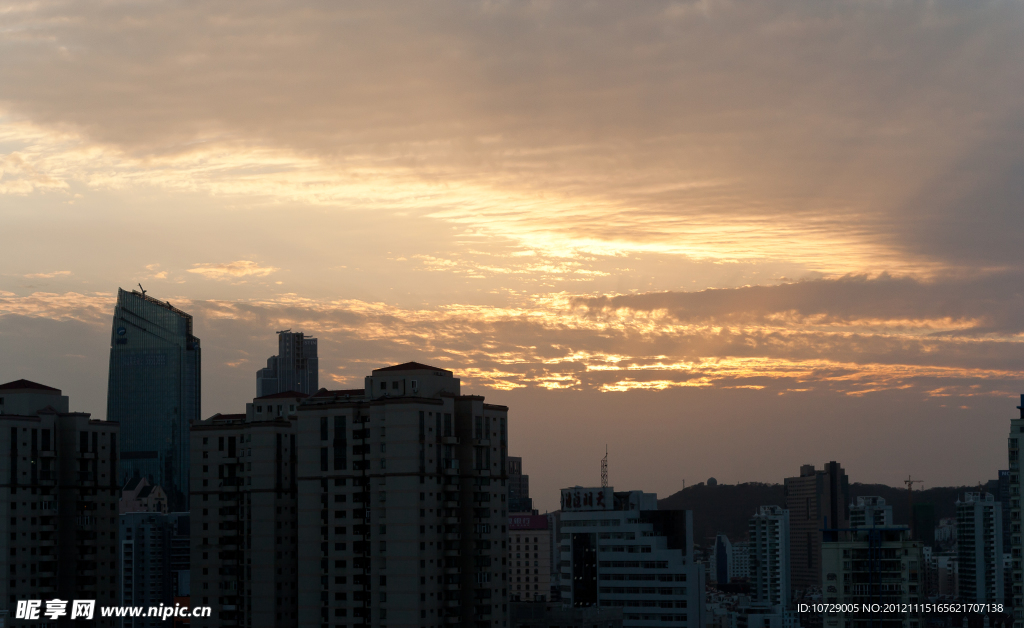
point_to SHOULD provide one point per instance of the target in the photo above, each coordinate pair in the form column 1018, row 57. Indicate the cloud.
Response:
column 819, row 133
column 57, row 273
column 232, row 270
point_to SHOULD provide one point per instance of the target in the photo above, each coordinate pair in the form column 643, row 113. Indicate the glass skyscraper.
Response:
column 154, row 391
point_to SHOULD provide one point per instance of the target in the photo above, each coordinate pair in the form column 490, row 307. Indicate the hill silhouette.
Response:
column 726, row 508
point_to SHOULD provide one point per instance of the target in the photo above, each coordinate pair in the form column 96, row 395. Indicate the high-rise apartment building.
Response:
column 1013, row 447
column 154, row 391
column 529, row 557
column 518, row 487
column 979, row 537
column 770, row 572
column 868, row 566
column 385, row 506
column 870, row 512
column 815, row 500
column 154, row 562
column 58, row 500
column 295, row 368
column 741, row 560
column 403, row 504
column 620, row 551
column 244, row 519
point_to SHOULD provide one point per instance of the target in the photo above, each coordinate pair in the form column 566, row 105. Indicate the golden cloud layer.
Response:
column 552, row 342
column 232, row 270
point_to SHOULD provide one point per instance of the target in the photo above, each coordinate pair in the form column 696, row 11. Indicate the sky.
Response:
column 723, row 239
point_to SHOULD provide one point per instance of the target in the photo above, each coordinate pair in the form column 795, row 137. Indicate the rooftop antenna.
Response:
column 604, row 468
column 143, row 290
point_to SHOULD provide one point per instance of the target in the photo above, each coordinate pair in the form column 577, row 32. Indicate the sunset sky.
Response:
column 723, row 238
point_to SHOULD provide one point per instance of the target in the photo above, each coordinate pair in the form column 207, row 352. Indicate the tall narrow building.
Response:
column 769, row 556
column 1013, row 445
column 154, row 391
column 979, row 539
column 518, row 487
column 295, row 368
column 816, row 500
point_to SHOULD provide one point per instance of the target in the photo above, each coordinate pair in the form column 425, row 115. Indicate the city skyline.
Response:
column 727, row 240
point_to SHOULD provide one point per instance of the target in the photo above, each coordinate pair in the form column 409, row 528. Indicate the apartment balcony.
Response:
column 452, row 553
column 452, row 571
column 449, row 440
column 450, row 504
column 453, row 537
column 452, row 520
column 452, row 603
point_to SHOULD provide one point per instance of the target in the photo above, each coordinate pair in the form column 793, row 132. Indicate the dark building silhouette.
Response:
column 923, row 524
column 295, row 368
column 816, row 500
column 154, row 391
column 518, row 487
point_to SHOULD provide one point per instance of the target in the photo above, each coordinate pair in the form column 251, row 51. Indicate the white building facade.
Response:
column 769, row 556
column 979, row 535
column 619, row 550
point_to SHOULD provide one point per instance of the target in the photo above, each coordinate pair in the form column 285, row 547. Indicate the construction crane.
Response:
column 910, row 482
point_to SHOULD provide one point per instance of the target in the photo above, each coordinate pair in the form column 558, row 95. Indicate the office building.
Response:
column 721, row 560
column 383, row 506
column 770, row 573
column 58, row 500
column 518, row 487
column 870, row 512
column 979, row 537
column 815, row 500
column 865, row 566
column 154, row 391
column 295, row 368
column 620, row 551
column 154, row 553
column 1013, row 451
column 529, row 557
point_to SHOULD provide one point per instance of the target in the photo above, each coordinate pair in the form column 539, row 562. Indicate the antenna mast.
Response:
column 604, row 468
